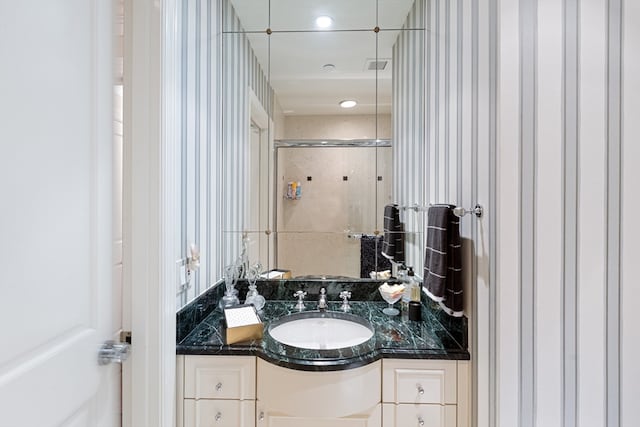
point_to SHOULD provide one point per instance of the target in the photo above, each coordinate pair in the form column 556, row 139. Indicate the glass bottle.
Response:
column 414, row 286
column 406, row 294
column 253, row 296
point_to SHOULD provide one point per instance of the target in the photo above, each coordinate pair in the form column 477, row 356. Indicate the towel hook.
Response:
column 460, row 211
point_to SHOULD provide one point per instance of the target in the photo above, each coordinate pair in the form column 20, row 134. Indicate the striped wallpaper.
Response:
column 214, row 135
column 242, row 76
column 199, row 134
column 432, row 114
column 443, row 142
column 408, row 115
column 566, row 166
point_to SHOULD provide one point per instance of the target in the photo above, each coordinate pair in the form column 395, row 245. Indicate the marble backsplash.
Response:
column 195, row 312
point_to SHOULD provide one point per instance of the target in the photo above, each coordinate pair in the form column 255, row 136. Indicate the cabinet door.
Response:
column 407, row 415
column 220, row 377
column 318, row 394
column 219, row 413
column 266, row 418
column 419, row 381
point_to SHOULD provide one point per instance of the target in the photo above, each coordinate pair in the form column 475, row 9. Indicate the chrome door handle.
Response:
column 218, row 416
column 420, row 389
column 112, row 351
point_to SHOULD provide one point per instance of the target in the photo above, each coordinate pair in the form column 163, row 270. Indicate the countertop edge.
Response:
column 326, row 364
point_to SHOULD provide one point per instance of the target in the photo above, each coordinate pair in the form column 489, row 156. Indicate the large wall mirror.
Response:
column 305, row 180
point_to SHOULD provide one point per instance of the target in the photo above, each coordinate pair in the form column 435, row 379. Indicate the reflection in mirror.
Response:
column 336, row 203
column 312, row 72
column 281, row 94
column 302, row 15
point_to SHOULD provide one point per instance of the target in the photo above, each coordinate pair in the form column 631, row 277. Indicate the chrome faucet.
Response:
column 322, row 302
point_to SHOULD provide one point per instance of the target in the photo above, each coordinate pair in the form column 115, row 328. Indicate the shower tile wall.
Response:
column 312, row 232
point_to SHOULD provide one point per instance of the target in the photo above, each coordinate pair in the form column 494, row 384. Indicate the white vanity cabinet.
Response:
column 425, row 393
column 216, row 391
column 291, row 398
column 242, row 391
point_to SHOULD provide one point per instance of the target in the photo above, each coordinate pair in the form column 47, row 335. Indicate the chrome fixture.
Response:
column 457, row 211
column 460, row 211
column 112, row 351
column 322, row 302
column 300, row 295
column 345, row 295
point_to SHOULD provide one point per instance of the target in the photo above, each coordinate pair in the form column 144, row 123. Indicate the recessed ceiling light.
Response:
column 329, row 67
column 324, row 21
column 348, row 103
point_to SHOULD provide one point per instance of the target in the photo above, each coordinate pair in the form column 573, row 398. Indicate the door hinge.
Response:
column 125, row 336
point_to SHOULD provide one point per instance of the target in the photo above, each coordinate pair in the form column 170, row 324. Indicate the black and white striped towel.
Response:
column 443, row 259
column 393, row 242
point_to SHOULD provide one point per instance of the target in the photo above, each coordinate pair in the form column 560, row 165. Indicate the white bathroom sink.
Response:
column 321, row 330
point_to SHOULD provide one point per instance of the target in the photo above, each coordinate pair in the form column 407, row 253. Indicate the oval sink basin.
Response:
column 321, row 330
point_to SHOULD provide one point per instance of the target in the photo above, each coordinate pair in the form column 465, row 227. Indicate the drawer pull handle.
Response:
column 218, row 386
column 218, row 416
column 420, row 422
column 261, row 417
column 420, row 389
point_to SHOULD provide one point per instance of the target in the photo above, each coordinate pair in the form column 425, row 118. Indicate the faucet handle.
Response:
column 345, row 295
column 300, row 295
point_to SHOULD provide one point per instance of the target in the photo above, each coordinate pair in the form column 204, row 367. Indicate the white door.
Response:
column 55, row 217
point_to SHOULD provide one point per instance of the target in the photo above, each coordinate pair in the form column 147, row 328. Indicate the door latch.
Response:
column 112, row 351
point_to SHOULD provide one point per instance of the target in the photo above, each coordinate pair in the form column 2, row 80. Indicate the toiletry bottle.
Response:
column 414, row 286
column 298, row 190
column 289, row 190
column 406, row 294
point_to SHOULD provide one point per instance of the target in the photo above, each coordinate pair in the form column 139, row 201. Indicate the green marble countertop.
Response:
column 201, row 332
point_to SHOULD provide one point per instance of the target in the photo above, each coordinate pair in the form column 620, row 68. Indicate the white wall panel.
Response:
column 630, row 172
column 432, row 106
column 591, row 213
column 507, row 216
column 453, row 120
column 482, row 184
column 548, row 268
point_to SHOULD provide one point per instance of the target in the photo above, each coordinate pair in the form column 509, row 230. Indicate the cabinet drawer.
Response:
column 220, row 377
column 419, row 381
column 219, row 413
column 269, row 419
column 407, row 415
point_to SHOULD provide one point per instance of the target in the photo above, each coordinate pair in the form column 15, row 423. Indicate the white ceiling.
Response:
column 298, row 54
